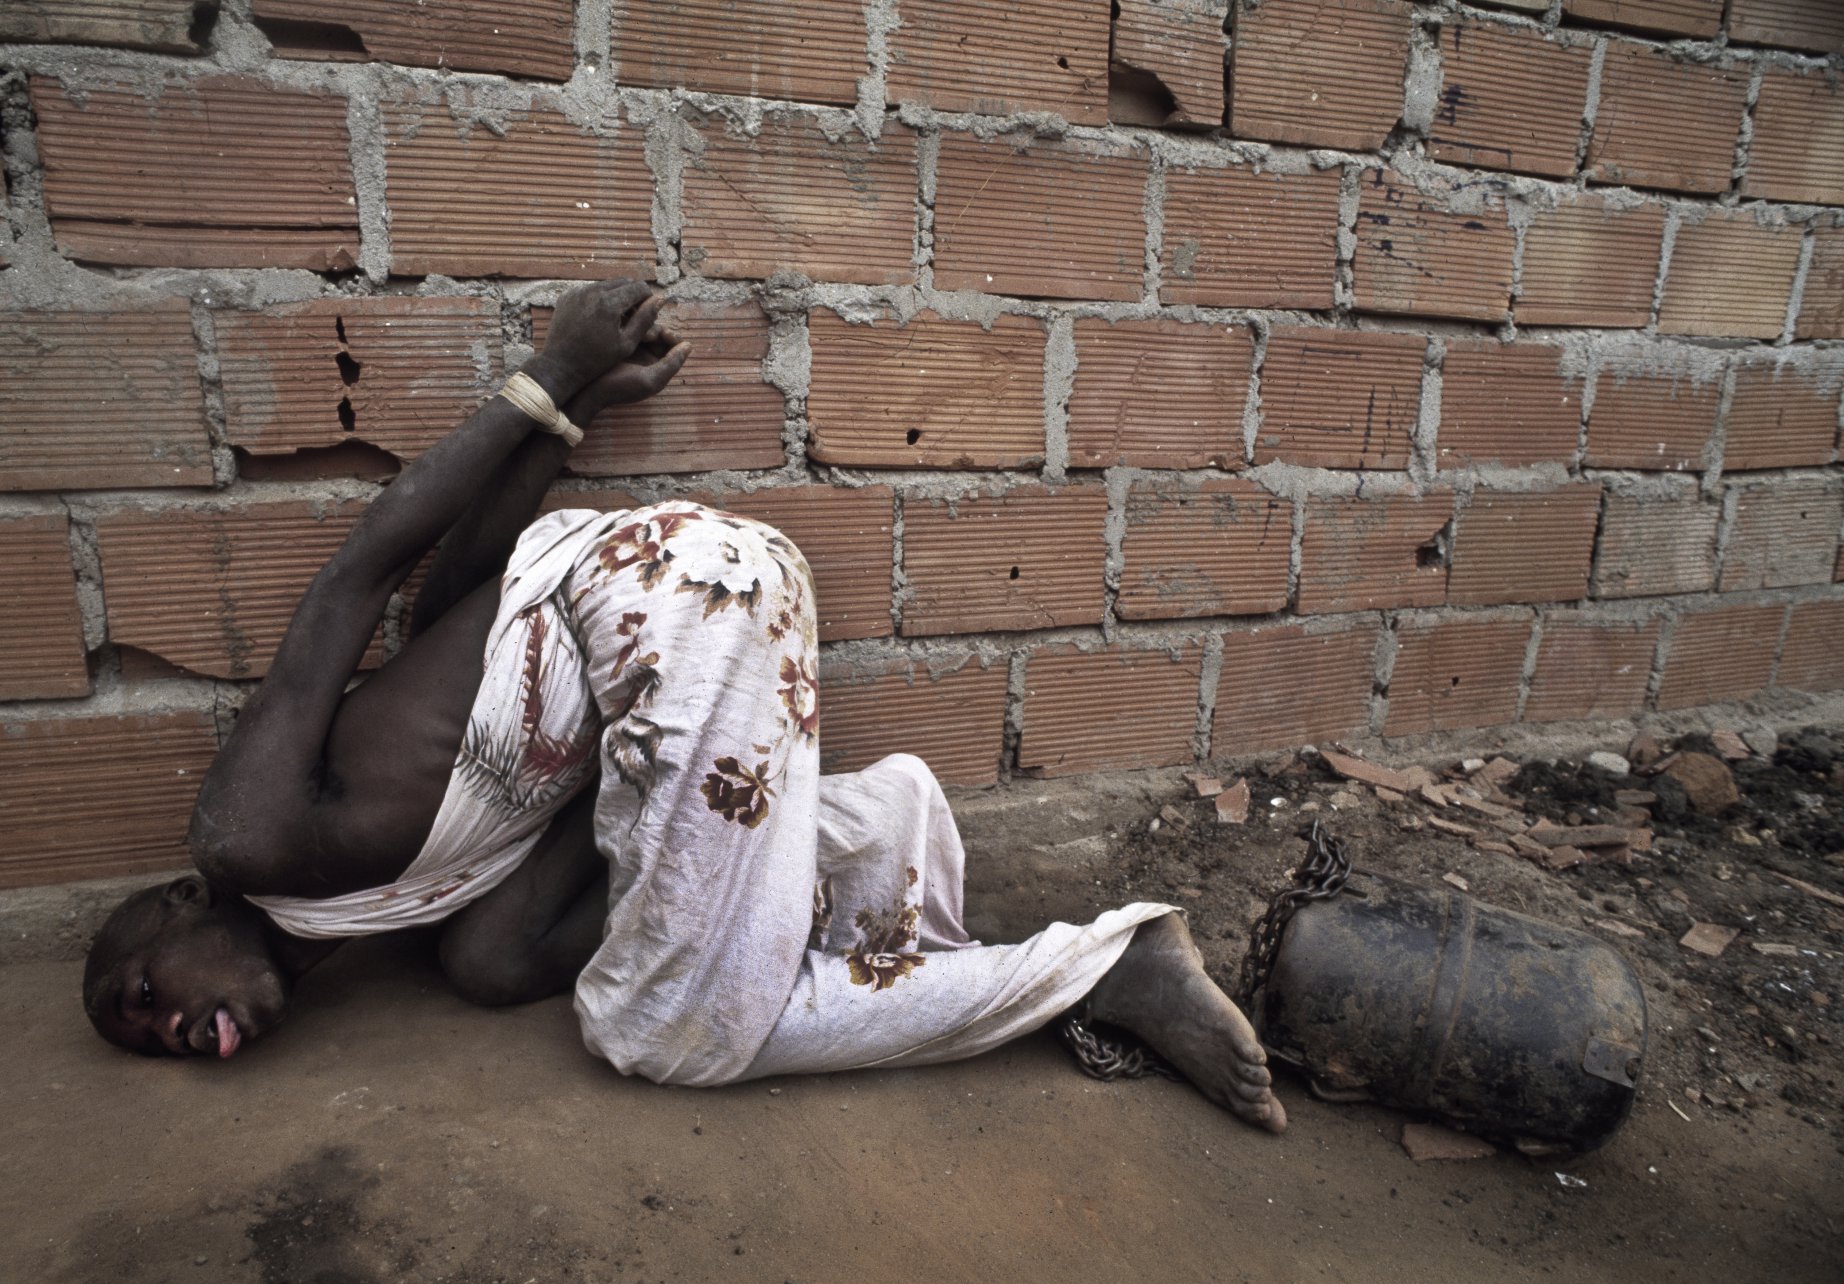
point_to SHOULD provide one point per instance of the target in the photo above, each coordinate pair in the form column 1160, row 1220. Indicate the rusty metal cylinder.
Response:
column 1426, row 1000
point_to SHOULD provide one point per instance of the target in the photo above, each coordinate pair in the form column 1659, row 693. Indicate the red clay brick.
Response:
column 1587, row 264
column 1660, row 421
column 953, row 721
column 1456, row 673
column 1237, row 238
column 221, row 172
column 1003, row 56
column 1366, row 554
column 1321, row 73
column 1781, row 417
column 1813, row 660
column 1194, row 418
column 808, row 51
column 1046, row 219
column 1028, row 559
column 162, row 25
column 90, row 797
column 1589, row 668
column 1416, row 256
column 1108, row 710
column 845, row 535
column 1284, row 687
column 1339, row 398
column 935, row 393
column 1509, row 100
column 41, row 633
column 1729, row 276
column 532, row 38
column 545, row 199
column 1821, row 308
column 212, row 592
column 1667, row 17
column 793, row 199
column 1798, row 148
column 1526, row 546
column 1506, row 404
column 401, row 371
column 1783, row 534
column 1719, row 655
column 140, row 418
column 1665, row 123
column 1649, row 547
column 1817, row 25
column 1178, row 44
column 717, row 413
column 1218, row 548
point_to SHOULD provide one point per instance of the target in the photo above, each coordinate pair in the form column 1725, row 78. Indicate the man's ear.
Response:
column 189, row 890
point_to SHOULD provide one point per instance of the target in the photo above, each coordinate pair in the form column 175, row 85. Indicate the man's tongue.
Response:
column 228, row 1034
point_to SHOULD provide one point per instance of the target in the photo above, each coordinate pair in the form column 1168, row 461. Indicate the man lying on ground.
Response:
column 622, row 798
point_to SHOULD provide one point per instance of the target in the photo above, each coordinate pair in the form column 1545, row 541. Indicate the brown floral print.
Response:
column 883, row 953
column 642, row 544
column 800, row 693
column 738, row 793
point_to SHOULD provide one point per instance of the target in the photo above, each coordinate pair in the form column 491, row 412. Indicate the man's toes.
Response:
column 1254, row 1074
column 1275, row 1120
column 1251, row 1092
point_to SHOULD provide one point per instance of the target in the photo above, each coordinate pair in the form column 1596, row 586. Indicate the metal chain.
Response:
column 1108, row 1057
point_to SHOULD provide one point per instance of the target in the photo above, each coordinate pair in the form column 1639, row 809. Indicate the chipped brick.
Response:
column 1651, row 421
column 809, row 51
column 1167, row 63
column 792, row 199
column 1219, row 548
column 1665, row 123
column 935, row 393
column 542, row 198
column 1286, row 687
column 1667, row 17
column 1108, row 710
column 716, row 413
column 1781, row 417
column 1524, row 546
column 1821, row 309
column 1720, row 655
column 398, row 373
column 1509, row 100
column 1587, row 264
column 1002, row 56
column 1815, row 25
column 90, row 797
column 1366, row 554
column 1649, row 547
column 1591, row 668
column 1045, row 219
column 845, row 535
column 1320, row 73
column 1812, row 659
column 1798, row 148
column 221, row 172
column 1415, row 256
column 1784, row 534
column 1729, row 276
column 1506, row 404
column 1339, row 398
column 532, row 38
column 41, row 632
column 1456, row 673
column 1201, row 373
column 1236, row 238
column 1028, row 559
column 161, row 25
column 140, row 418
column 954, row 721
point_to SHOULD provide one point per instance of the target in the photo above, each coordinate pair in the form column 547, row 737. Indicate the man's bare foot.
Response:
column 1160, row 991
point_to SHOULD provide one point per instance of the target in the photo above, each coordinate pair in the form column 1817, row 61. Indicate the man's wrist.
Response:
column 559, row 383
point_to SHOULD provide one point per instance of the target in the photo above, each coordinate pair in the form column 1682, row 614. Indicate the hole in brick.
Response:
column 913, row 436
column 348, row 368
column 1014, row 574
column 357, row 459
column 339, row 328
column 291, row 36
column 1453, row 681
column 348, row 417
column 204, row 18
column 1138, row 97
column 1434, row 552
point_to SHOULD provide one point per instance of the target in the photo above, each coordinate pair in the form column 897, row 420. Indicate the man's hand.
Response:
column 634, row 378
column 594, row 328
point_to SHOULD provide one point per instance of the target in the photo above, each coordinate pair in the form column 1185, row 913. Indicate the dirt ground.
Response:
column 389, row 1132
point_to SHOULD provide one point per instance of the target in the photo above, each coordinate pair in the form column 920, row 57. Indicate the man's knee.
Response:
column 489, row 971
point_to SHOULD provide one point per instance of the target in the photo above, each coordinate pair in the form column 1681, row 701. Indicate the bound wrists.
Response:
column 560, row 383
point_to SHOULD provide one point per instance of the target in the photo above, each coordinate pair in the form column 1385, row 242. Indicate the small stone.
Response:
column 1498, row 772
column 1611, row 763
column 1205, row 786
column 1707, row 1035
column 1635, row 797
column 1708, row 938
column 1564, row 857
column 1730, row 745
column 1457, row 881
column 1763, row 742
column 774, row 1092
column 1452, row 827
column 1644, row 750
column 1367, row 773
column 1233, row 803
column 1344, row 800
column 1709, row 785
column 1614, row 927
column 1472, row 766
column 1497, row 849
column 1743, row 838
column 1389, row 795
column 200, row 1260
column 1175, row 817
column 1774, row 949
column 1424, row 1142
column 1434, row 795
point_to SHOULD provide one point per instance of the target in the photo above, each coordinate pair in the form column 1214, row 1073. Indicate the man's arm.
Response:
column 250, row 820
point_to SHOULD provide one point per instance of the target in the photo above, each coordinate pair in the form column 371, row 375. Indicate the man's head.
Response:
column 181, row 970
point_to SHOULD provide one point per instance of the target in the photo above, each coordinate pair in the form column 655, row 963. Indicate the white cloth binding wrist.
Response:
column 529, row 396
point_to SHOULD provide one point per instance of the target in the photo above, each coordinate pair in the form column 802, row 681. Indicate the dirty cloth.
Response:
column 762, row 920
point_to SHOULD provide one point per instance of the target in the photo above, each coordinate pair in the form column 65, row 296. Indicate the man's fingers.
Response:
column 660, row 373
column 634, row 330
column 624, row 296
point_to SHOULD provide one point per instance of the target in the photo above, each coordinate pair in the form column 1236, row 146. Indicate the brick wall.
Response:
column 1175, row 378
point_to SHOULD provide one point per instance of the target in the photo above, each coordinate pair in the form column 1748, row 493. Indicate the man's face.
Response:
column 201, row 982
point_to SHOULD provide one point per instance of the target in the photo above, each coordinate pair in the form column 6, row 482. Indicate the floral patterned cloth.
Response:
column 761, row 920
